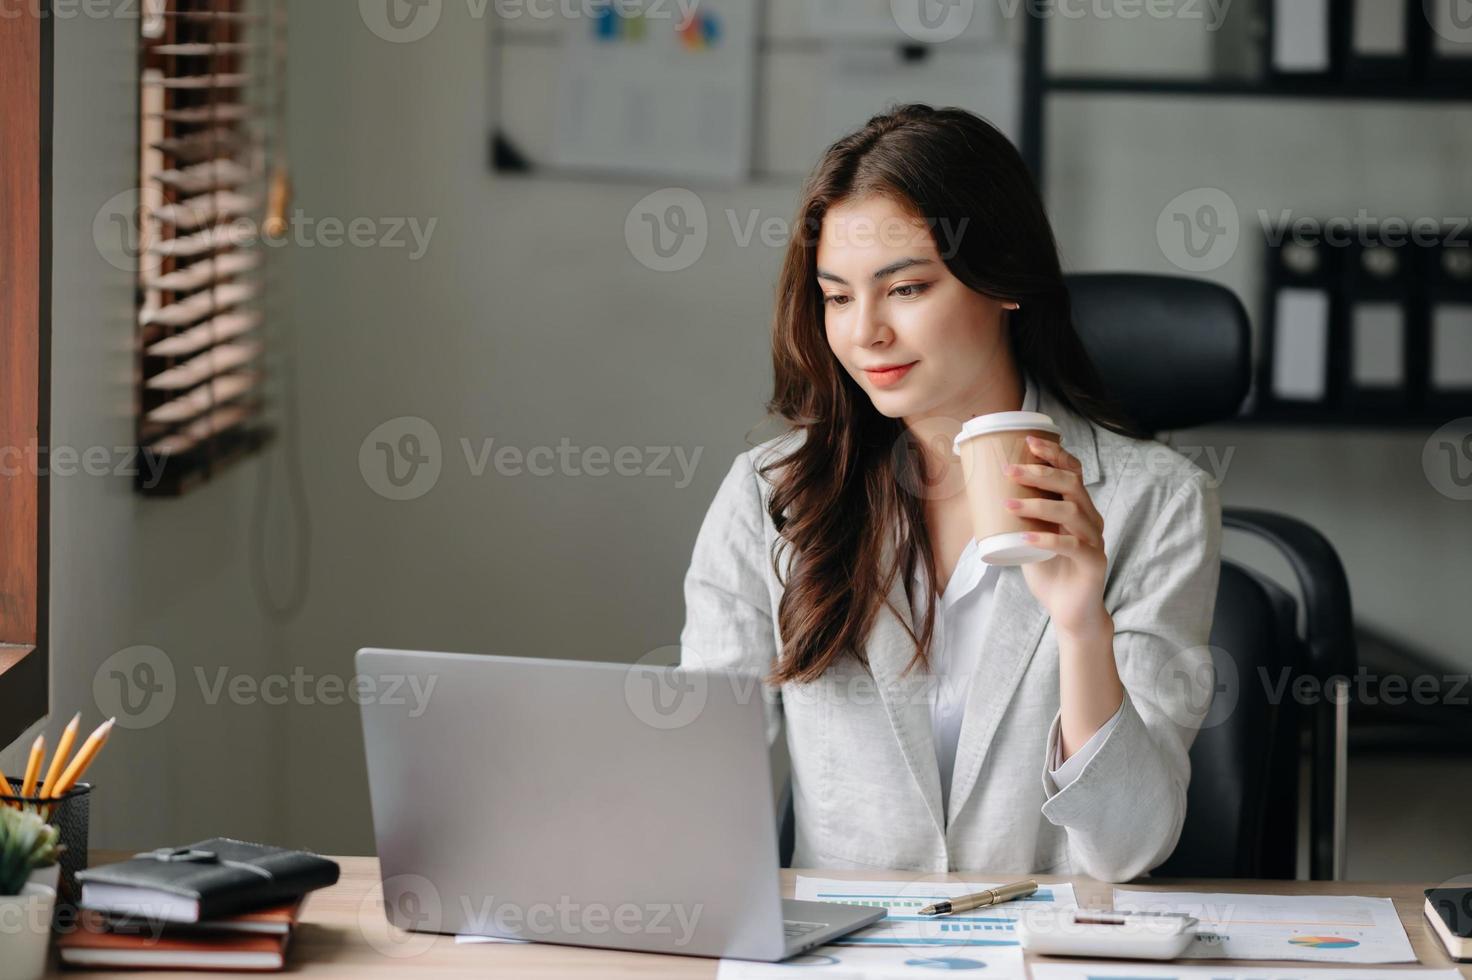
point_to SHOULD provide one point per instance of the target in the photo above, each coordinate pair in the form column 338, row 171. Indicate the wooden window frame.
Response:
column 25, row 340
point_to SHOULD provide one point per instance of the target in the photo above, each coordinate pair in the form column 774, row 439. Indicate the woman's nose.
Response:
column 870, row 327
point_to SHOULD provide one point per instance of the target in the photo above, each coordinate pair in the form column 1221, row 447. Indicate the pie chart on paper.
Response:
column 946, row 963
column 1324, row 942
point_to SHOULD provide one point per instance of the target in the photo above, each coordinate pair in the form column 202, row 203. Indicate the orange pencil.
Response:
column 84, row 758
column 63, row 749
column 33, row 766
column 5, row 784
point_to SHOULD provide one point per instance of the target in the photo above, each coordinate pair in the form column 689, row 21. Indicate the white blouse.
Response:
column 961, row 612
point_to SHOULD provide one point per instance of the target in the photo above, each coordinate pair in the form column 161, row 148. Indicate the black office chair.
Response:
column 1176, row 353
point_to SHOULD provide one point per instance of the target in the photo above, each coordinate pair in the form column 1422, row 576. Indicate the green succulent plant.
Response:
column 27, row 842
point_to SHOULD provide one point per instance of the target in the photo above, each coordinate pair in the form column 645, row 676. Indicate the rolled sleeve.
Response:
column 1058, row 775
column 1125, row 806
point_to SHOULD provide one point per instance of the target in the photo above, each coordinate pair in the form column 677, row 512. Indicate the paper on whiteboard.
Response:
column 905, row 21
column 864, row 81
column 657, row 94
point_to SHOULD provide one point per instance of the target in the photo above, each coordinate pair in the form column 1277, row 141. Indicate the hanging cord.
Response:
column 296, row 490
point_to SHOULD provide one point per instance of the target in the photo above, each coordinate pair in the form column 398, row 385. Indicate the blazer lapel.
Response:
column 1014, row 625
column 906, row 700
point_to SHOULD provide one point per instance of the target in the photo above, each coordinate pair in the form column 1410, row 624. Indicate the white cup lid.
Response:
column 1004, row 422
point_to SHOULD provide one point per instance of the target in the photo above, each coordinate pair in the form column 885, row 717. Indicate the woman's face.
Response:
column 890, row 302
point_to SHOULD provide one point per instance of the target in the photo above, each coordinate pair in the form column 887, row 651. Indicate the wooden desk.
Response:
column 343, row 932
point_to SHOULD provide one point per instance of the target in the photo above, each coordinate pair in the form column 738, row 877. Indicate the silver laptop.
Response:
column 593, row 804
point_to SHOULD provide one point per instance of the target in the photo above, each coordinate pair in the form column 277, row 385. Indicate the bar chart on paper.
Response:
column 903, row 900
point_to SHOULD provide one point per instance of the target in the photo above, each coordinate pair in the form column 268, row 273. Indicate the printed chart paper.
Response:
column 1319, row 928
column 903, row 900
column 881, row 963
column 1137, row 971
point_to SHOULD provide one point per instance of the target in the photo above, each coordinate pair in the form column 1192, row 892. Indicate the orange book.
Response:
column 93, row 944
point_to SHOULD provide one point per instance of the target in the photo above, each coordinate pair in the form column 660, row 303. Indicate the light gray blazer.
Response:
column 866, row 784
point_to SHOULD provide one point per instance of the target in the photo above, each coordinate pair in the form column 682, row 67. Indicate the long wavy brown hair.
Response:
column 841, row 494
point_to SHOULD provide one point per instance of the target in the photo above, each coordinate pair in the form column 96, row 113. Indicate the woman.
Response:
column 942, row 714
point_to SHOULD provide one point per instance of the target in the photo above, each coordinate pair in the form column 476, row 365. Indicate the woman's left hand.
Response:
column 1070, row 585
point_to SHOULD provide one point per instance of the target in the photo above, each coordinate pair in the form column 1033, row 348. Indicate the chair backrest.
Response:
column 1175, row 352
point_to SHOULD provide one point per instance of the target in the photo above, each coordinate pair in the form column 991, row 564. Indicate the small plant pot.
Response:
column 50, row 877
column 25, row 931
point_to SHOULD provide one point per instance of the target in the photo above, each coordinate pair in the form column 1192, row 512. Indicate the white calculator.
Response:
column 1126, row 935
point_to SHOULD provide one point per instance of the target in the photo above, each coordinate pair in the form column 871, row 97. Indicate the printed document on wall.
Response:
column 646, row 90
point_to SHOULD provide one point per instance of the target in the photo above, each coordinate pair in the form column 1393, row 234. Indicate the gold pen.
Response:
column 981, row 899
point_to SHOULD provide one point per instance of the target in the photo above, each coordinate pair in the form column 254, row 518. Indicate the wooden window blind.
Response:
column 212, row 205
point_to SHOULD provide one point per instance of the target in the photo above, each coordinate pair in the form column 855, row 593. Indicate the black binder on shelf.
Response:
column 1446, row 39
column 1237, row 44
column 1305, row 39
column 1301, row 319
column 1380, row 313
column 1447, row 365
column 1377, row 39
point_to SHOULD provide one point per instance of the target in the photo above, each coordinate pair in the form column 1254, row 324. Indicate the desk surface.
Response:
column 343, row 932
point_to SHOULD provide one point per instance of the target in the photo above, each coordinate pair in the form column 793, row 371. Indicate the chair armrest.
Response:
column 1328, row 611
column 1329, row 644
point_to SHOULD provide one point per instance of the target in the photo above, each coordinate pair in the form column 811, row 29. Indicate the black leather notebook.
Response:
column 1449, row 910
column 207, row 880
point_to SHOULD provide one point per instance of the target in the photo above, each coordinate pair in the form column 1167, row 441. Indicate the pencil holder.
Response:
column 69, row 815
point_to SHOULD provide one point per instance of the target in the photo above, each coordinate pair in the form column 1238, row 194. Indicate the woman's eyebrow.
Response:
column 888, row 270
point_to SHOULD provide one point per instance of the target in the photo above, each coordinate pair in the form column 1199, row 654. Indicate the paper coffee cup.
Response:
column 985, row 444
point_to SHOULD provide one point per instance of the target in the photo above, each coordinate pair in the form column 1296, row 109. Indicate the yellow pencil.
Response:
column 84, row 758
column 33, row 766
column 63, row 749
column 5, row 786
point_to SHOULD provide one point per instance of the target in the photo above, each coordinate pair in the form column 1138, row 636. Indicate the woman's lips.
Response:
column 892, row 376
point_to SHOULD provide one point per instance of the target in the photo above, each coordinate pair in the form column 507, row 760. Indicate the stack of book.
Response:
column 219, row 904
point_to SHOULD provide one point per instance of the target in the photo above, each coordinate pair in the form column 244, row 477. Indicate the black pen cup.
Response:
column 69, row 815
